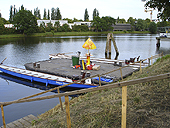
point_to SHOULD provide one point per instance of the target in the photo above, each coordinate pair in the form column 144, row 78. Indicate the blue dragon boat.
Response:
column 43, row 77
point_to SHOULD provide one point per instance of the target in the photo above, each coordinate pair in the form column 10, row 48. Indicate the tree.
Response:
column 45, row 14
column 11, row 14
column 95, row 13
column 37, row 13
column 65, row 28
column 58, row 16
column 96, row 25
column 25, row 22
column 48, row 16
column 1, row 25
column 69, row 20
column 57, row 26
column 106, row 23
column 153, row 27
column 52, row 14
column 163, row 7
column 131, row 21
column 163, row 24
column 86, row 15
column 140, row 25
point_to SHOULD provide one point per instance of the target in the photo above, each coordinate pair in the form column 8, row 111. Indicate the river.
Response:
column 24, row 50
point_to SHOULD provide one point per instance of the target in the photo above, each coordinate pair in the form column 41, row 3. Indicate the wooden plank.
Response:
column 11, row 125
column 24, row 122
column 31, row 118
column 18, row 124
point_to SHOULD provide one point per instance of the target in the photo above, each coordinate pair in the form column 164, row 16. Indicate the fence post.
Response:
column 140, row 67
column 121, row 73
column 3, row 117
column 60, row 100
column 124, row 106
column 67, row 112
column 124, row 103
column 99, row 80
column 151, row 60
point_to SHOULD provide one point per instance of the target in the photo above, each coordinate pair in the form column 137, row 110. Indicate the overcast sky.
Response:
column 76, row 8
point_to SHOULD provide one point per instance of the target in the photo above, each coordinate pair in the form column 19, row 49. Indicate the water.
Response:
column 24, row 50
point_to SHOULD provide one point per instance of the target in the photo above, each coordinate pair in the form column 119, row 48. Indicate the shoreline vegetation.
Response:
column 147, row 104
column 48, row 34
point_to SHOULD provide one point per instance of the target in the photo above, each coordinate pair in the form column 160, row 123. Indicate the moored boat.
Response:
column 42, row 77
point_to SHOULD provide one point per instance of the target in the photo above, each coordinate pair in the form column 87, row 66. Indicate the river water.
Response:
column 24, row 50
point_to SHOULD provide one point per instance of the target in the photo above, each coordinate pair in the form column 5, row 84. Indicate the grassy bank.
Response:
column 65, row 34
column 147, row 106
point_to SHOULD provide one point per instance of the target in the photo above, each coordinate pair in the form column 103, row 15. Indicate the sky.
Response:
column 76, row 8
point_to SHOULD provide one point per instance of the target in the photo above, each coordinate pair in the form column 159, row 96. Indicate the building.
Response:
column 8, row 25
column 121, row 27
column 39, row 22
column 52, row 21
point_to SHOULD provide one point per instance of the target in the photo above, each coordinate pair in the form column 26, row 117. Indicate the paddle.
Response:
column 3, row 60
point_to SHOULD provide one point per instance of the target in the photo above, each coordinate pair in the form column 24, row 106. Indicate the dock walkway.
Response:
column 24, row 122
column 62, row 67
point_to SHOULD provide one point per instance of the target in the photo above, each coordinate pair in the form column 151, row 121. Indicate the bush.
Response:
column 153, row 27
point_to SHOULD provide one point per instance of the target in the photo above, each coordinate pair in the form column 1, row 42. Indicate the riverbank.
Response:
column 147, row 106
column 66, row 34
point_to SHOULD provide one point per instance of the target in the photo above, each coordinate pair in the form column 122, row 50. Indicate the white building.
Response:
column 8, row 25
column 63, row 22
column 52, row 21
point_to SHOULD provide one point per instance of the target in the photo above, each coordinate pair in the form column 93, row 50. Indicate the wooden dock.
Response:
column 24, row 122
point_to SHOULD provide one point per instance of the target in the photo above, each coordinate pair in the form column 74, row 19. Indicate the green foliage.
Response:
column 95, row 13
column 103, row 24
column 163, row 24
column 25, row 22
column 65, row 28
column 86, row 15
column 55, row 14
column 152, row 27
column 163, row 7
column 131, row 21
column 140, row 25
column 58, row 14
column 80, row 28
column 37, row 13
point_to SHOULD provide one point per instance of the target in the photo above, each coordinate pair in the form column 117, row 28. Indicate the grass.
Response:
column 147, row 106
column 66, row 34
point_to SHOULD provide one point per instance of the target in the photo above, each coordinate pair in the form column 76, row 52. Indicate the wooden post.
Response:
column 158, row 42
column 140, row 67
column 151, row 60
column 60, row 100
column 124, row 106
column 124, row 102
column 148, row 61
column 114, row 43
column 121, row 73
column 107, row 45
column 67, row 112
column 99, row 80
column 3, row 117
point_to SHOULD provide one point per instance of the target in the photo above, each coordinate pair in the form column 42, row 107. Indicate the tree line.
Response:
column 26, row 22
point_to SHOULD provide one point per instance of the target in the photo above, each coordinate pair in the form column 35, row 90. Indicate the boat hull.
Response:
column 47, row 81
